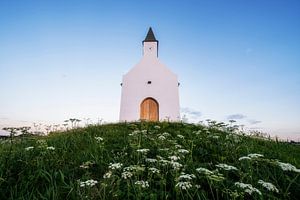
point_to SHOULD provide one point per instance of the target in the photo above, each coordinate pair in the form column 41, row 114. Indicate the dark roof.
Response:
column 150, row 36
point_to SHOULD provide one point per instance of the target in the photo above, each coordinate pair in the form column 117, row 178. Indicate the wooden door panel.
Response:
column 149, row 110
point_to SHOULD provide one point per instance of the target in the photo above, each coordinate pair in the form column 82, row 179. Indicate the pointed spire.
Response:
column 150, row 36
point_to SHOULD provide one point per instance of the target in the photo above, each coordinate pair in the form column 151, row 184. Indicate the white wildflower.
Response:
column 150, row 160
column 134, row 168
column 174, row 158
column 183, row 151
column 136, row 132
column 255, row 155
column 166, row 134
column 178, row 146
column 244, row 158
column 143, row 184
column 184, row 185
column 29, row 148
column 204, row 171
column 157, row 127
column 287, row 167
column 89, row 183
column 127, row 175
column 115, row 165
column 198, row 186
column 184, row 176
column 153, row 170
column 99, row 139
column 180, row 136
column 161, row 137
column 107, row 174
column 176, row 165
column 143, row 150
column 226, row 167
column 248, row 188
column 164, row 162
column 268, row 186
column 51, row 148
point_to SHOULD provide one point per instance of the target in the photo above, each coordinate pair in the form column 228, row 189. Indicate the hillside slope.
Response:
column 148, row 161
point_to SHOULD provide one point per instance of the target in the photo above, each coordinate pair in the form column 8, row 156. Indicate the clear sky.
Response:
column 235, row 59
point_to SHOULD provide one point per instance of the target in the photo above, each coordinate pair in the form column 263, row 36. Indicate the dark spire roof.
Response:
column 150, row 36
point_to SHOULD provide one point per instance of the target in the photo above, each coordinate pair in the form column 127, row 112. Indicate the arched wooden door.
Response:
column 149, row 110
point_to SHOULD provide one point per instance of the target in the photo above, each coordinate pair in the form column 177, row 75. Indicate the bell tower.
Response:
column 150, row 45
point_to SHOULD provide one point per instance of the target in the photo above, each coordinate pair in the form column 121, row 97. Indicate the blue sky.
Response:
column 235, row 59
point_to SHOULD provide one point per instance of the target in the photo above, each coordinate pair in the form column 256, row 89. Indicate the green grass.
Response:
column 41, row 173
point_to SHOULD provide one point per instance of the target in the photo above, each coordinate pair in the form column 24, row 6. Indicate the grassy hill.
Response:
column 148, row 161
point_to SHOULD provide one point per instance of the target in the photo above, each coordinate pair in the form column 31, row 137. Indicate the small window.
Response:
column 149, row 82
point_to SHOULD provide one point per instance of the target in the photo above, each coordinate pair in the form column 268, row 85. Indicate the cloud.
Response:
column 252, row 121
column 190, row 112
column 236, row 116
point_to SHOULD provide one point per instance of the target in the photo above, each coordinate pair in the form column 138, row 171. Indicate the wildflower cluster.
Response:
column 184, row 185
column 175, row 165
column 138, row 132
column 134, row 168
column 211, row 175
column 50, row 148
column 287, row 167
column 107, row 175
column 248, row 188
column 204, row 171
column 157, row 127
column 268, row 186
column 180, row 136
column 251, row 156
column 183, row 151
column 161, row 137
column 255, row 155
column 143, row 184
column 226, row 167
column 99, row 139
column 153, row 170
column 29, row 148
column 88, row 183
column 174, row 158
column 184, row 176
column 143, row 150
column 126, row 175
column 115, row 165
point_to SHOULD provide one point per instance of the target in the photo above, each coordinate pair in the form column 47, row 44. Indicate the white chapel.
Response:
column 150, row 89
